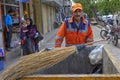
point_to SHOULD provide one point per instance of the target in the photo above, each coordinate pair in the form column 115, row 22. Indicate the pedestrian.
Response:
column 76, row 30
column 32, row 29
column 8, row 26
column 23, row 36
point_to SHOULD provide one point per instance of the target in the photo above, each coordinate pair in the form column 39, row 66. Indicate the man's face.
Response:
column 77, row 14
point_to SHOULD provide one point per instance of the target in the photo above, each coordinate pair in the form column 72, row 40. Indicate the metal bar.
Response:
column 9, row 4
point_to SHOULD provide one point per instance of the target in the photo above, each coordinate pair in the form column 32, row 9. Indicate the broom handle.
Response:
column 95, row 41
column 85, row 43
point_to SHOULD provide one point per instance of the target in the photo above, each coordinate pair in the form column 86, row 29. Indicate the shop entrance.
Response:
column 5, row 6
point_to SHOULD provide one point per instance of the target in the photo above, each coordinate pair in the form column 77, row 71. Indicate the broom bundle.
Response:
column 36, row 62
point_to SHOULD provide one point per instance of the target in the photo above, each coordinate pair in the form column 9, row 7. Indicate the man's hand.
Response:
column 80, row 47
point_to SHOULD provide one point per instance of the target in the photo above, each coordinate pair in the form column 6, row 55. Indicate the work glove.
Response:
column 80, row 47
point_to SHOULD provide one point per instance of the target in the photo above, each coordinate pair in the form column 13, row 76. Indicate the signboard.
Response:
column 1, row 52
column 26, row 1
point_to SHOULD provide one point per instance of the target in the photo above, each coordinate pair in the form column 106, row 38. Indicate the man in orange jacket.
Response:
column 76, row 30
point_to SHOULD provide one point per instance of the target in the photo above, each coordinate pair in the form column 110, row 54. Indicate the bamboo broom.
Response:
column 37, row 62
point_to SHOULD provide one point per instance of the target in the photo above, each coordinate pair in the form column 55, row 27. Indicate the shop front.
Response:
column 5, row 5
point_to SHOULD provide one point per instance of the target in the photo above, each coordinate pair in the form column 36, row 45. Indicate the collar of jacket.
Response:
column 83, row 20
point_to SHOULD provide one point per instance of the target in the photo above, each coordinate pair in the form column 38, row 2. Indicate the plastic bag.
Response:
column 95, row 55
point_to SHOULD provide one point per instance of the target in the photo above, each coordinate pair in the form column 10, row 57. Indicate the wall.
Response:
column 37, row 14
column 1, row 31
column 109, row 64
column 48, row 17
column 44, row 18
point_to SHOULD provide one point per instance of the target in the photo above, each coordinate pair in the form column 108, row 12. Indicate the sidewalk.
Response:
column 12, row 56
column 48, row 41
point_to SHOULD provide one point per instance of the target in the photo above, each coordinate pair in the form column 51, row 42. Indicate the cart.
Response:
column 78, row 67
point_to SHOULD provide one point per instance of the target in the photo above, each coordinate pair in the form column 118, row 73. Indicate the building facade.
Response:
column 51, row 13
column 67, row 7
column 5, row 5
column 45, row 14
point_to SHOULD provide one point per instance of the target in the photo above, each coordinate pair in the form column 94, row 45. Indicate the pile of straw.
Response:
column 36, row 62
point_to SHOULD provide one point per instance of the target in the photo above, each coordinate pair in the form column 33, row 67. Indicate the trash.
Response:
column 95, row 55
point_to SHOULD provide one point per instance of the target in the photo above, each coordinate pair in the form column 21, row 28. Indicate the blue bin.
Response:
column 1, row 59
column 1, row 64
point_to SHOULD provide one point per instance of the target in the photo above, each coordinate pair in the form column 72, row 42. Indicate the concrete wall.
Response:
column 43, row 15
column 48, row 17
column 37, row 14
column 44, row 18
column 110, row 66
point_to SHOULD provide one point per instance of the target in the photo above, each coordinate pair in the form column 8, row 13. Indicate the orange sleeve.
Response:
column 60, row 35
column 90, row 34
column 62, row 30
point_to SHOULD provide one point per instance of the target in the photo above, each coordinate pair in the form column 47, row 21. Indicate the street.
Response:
column 48, row 42
column 20, row 20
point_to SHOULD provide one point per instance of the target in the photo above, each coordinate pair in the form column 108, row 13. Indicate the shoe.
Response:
column 8, row 49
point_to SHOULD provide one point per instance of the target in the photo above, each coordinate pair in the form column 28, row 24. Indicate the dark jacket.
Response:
column 31, row 29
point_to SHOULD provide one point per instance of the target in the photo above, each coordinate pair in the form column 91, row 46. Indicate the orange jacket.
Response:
column 74, row 35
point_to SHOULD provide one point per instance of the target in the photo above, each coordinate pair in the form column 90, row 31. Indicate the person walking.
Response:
column 76, row 30
column 8, row 25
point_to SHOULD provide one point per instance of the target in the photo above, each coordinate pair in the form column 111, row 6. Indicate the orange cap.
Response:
column 76, row 6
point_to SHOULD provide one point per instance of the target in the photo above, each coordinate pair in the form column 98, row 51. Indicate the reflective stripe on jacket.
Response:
column 74, row 35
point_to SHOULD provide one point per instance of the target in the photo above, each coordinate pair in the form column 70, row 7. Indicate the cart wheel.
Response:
column 115, row 40
column 103, row 34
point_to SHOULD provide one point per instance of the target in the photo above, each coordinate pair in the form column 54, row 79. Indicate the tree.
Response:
column 108, row 6
column 102, row 6
column 86, row 7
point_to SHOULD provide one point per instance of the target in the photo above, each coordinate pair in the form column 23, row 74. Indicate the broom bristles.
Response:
column 36, row 62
